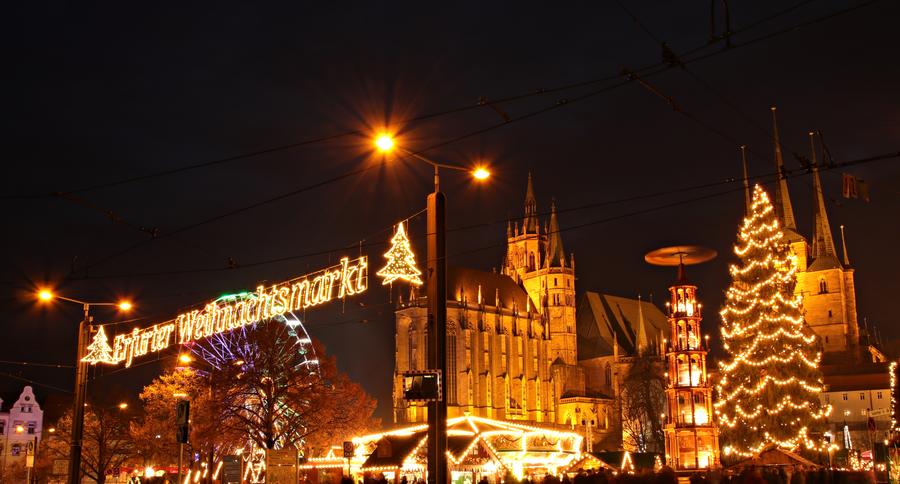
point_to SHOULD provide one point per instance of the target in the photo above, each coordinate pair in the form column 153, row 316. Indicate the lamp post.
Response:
column 436, row 292
column 80, row 376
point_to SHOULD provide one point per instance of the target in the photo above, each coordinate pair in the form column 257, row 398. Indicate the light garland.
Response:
column 401, row 262
column 234, row 311
column 768, row 391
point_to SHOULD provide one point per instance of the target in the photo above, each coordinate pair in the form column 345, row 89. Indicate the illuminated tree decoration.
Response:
column 401, row 262
column 770, row 383
column 99, row 350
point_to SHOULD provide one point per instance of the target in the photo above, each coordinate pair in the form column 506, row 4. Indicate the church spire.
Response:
column 746, row 178
column 556, row 256
column 844, row 246
column 822, row 244
column 783, row 209
column 642, row 342
column 530, row 225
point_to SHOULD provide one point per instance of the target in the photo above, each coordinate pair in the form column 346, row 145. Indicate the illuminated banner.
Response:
column 348, row 278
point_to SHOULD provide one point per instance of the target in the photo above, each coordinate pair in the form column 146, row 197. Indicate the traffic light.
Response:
column 182, row 421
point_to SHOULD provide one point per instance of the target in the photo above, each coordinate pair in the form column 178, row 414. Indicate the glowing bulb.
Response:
column 384, row 143
column 125, row 305
column 45, row 295
column 123, row 405
column 481, row 173
column 185, row 358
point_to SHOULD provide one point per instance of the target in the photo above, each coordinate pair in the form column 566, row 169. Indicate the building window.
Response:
column 31, row 426
column 829, row 313
column 878, row 395
column 823, row 286
column 608, row 375
column 2, row 427
column 412, row 348
column 451, row 367
column 531, row 262
column 555, row 282
column 16, row 449
column 844, row 396
column 862, row 395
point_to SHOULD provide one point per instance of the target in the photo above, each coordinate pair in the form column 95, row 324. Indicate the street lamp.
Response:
column 436, row 291
column 46, row 295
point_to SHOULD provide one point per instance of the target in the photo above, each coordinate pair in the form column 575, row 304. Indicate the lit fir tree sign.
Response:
column 226, row 313
column 769, row 389
column 401, row 261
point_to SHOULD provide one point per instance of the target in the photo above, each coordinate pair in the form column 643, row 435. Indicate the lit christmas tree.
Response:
column 401, row 260
column 769, row 388
column 99, row 350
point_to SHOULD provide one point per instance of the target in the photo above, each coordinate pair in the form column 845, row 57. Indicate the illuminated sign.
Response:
column 348, row 278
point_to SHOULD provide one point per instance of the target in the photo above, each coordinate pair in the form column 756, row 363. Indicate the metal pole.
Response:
column 436, row 285
column 180, row 457
column 78, row 409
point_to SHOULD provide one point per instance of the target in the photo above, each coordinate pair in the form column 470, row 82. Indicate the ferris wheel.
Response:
column 228, row 347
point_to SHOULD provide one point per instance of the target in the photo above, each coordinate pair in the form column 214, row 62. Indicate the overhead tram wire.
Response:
column 34, row 382
column 35, row 364
column 559, row 103
column 764, row 178
column 677, row 203
column 480, row 104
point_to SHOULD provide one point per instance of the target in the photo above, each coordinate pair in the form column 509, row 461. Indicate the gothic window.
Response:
column 503, row 352
column 878, row 395
column 608, row 375
column 534, row 357
column 520, row 354
column 468, row 347
column 555, row 282
column 451, row 367
column 844, row 396
column 531, row 261
column 412, row 348
column 823, row 286
column 862, row 395
column 829, row 313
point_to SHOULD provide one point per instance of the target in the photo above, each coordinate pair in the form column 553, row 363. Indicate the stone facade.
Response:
column 20, row 429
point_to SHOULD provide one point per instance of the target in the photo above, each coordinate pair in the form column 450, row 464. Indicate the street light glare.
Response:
column 125, row 305
column 45, row 295
column 123, row 405
column 185, row 358
column 384, row 143
column 481, row 173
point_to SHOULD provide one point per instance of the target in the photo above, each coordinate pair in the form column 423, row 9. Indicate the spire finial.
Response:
column 556, row 255
column 844, row 246
column 530, row 225
column 823, row 244
column 746, row 178
column 783, row 208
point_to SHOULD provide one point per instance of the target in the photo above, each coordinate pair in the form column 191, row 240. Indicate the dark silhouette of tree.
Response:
column 642, row 401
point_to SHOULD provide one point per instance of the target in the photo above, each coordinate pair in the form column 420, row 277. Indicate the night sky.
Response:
column 109, row 91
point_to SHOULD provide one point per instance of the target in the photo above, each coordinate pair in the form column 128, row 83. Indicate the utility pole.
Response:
column 78, row 409
column 436, row 285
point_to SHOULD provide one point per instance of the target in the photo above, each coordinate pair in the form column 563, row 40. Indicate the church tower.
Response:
column 537, row 262
column 827, row 285
column 823, row 281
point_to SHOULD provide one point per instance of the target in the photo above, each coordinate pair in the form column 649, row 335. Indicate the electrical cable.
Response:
column 558, row 104
column 29, row 363
column 33, row 382
column 765, row 178
column 481, row 103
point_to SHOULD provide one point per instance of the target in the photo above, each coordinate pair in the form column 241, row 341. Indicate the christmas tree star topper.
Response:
column 401, row 262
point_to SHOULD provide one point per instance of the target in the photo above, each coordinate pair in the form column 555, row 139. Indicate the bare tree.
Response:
column 281, row 401
column 106, row 443
column 642, row 402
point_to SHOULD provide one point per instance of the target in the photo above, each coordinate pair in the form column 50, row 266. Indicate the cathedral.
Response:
column 517, row 348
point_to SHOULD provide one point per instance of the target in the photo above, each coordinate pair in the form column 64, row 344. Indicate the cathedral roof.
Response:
column 463, row 284
column 827, row 261
column 604, row 318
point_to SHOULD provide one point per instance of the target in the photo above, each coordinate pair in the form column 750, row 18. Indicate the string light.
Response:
column 234, row 311
column 769, row 390
column 401, row 262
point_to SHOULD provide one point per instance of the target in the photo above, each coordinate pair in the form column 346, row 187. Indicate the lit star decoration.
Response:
column 769, row 389
column 401, row 262
column 99, row 350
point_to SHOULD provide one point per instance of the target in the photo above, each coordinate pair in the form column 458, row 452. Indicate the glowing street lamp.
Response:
column 46, row 296
column 185, row 359
column 123, row 406
column 436, row 287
